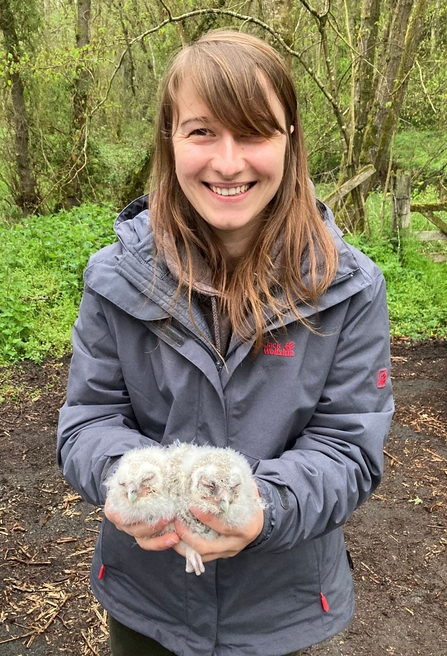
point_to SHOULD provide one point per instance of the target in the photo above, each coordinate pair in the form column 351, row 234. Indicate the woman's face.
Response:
column 228, row 178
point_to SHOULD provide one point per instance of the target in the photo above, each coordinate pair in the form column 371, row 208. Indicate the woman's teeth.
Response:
column 232, row 191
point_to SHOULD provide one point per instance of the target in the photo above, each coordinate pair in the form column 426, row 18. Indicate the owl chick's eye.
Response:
column 208, row 484
column 147, row 479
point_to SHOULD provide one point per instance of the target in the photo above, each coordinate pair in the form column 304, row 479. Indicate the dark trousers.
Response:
column 126, row 642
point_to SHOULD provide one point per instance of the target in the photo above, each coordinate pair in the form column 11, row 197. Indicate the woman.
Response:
column 236, row 316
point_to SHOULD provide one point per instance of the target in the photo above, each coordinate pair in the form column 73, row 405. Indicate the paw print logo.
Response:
column 289, row 346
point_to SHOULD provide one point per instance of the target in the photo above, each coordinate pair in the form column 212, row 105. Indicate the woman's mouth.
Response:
column 237, row 190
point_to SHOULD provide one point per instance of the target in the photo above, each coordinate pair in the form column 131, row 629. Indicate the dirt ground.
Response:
column 397, row 540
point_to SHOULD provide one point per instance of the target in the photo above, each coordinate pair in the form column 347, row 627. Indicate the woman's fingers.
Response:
column 152, row 537
column 222, row 546
column 208, row 549
column 159, row 543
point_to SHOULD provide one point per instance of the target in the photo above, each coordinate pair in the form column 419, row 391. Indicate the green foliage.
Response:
column 424, row 154
column 416, row 289
column 43, row 258
column 425, row 104
column 41, row 266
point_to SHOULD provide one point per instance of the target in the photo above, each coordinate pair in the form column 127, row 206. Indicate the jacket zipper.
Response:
column 216, row 329
column 189, row 333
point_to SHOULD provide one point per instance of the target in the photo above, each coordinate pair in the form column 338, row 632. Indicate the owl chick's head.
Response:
column 141, row 480
column 214, row 487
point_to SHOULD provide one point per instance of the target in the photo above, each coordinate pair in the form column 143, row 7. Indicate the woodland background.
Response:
column 78, row 94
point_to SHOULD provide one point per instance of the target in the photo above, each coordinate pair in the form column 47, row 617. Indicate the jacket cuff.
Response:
column 269, row 514
column 108, row 471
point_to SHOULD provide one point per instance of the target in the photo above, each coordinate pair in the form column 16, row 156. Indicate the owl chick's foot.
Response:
column 194, row 562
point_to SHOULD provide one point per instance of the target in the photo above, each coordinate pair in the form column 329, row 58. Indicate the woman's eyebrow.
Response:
column 196, row 119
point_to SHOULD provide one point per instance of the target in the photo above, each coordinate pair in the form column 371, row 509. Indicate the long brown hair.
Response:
column 228, row 70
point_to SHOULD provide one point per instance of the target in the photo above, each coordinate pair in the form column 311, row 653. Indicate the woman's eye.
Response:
column 200, row 132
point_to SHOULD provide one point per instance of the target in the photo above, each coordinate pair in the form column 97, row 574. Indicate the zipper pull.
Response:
column 324, row 603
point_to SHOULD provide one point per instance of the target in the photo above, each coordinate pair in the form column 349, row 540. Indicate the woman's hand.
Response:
column 228, row 544
column 147, row 536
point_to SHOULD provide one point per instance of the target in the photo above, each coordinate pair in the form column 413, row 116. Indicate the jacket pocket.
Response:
column 265, row 590
column 152, row 582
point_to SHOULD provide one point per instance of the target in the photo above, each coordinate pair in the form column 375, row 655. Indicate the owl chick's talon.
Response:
column 194, row 562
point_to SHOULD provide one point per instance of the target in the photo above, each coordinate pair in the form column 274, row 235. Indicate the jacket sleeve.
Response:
column 337, row 461
column 97, row 424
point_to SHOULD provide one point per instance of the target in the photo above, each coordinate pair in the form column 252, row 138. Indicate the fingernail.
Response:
column 170, row 542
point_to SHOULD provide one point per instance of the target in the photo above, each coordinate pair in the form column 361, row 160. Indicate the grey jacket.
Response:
column 310, row 411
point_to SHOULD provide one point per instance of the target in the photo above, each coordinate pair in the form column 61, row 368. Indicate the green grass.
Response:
column 416, row 288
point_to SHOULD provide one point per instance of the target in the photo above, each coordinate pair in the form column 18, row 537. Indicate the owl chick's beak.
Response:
column 132, row 492
column 224, row 501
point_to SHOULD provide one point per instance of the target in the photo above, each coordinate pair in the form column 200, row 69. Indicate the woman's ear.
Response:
column 292, row 129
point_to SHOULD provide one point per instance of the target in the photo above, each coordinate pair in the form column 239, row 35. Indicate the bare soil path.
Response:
column 397, row 540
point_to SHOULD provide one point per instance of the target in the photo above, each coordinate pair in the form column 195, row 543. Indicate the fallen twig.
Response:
column 30, row 562
column 25, row 635
column 89, row 645
column 436, row 454
column 393, row 458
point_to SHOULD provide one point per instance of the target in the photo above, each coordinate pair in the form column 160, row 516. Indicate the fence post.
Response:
column 401, row 199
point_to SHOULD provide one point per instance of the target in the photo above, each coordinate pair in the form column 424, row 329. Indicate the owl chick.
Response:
column 215, row 480
column 137, row 489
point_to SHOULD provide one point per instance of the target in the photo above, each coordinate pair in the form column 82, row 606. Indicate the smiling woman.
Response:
column 230, row 313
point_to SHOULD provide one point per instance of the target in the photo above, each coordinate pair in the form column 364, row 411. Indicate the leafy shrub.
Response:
column 41, row 266
column 416, row 289
column 43, row 258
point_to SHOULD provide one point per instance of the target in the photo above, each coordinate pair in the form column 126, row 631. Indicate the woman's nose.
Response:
column 228, row 159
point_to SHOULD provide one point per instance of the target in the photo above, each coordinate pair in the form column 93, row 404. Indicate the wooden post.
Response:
column 401, row 199
column 337, row 195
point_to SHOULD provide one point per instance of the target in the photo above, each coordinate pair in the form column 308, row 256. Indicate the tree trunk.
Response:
column 413, row 37
column 364, row 73
column 280, row 18
column 136, row 182
column 379, row 95
column 81, row 87
column 351, row 211
column 25, row 194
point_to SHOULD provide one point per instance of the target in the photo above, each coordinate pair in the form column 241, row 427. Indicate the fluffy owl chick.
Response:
column 137, row 489
column 215, row 480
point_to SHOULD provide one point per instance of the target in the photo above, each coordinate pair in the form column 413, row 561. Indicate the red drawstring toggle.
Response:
column 324, row 603
column 102, row 570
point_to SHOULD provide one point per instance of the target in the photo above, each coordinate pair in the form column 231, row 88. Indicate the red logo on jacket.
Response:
column 275, row 348
column 382, row 377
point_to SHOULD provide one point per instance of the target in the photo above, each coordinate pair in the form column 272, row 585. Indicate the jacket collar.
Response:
column 147, row 290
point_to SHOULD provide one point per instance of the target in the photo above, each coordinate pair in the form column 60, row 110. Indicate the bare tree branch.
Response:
column 317, row 15
column 424, row 88
column 241, row 17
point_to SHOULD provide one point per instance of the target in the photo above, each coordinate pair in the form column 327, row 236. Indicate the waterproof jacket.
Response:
column 310, row 412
